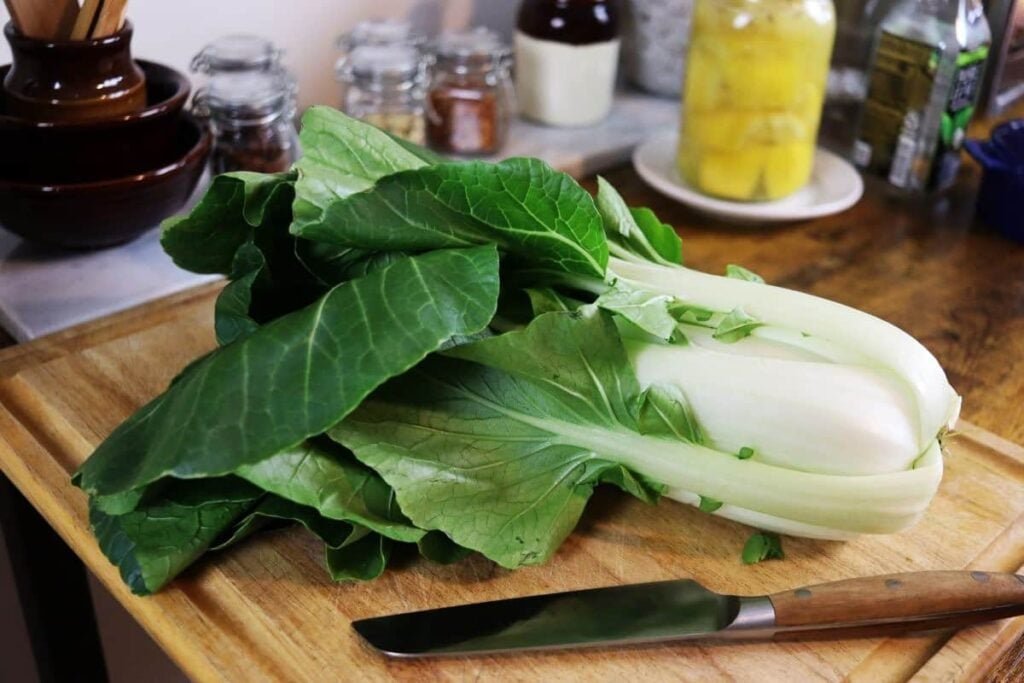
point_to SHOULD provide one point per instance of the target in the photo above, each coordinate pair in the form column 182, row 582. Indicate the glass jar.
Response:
column 755, row 82
column 655, row 34
column 380, row 32
column 251, row 116
column 237, row 53
column 384, row 87
column 470, row 94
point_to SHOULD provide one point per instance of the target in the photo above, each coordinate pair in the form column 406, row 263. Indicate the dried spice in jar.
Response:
column 384, row 86
column 251, row 115
column 469, row 100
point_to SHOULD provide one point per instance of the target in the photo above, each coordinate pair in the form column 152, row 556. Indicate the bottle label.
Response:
column 899, row 90
column 963, row 96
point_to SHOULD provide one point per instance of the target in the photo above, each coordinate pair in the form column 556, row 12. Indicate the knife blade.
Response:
column 685, row 610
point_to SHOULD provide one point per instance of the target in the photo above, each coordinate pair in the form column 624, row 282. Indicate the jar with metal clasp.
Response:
column 251, row 114
column 470, row 97
column 384, row 86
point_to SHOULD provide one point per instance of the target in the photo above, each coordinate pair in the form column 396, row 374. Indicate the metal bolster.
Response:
column 755, row 619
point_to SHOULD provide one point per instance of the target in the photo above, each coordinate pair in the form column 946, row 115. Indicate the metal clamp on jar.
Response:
column 380, row 32
column 470, row 94
column 384, row 87
column 237, row 53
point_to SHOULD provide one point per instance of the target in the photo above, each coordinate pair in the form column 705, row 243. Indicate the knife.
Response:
column 891, row 604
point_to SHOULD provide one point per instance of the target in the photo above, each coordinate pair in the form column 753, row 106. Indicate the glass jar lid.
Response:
column 247, row 96
column 237, row 53
column 380, row 32
column 380, row 66
column 477, row 50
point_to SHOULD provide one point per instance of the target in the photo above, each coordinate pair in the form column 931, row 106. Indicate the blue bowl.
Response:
column 1002, row 182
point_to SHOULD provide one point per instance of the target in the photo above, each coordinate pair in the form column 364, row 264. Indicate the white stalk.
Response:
column 803, row 415
column 937, row 404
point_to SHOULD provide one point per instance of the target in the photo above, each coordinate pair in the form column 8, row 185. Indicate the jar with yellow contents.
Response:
column 754, row 89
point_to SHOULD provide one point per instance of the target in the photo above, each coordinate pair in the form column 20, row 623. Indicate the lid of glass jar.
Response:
column 236, row 53
column 380, row 32
column 246, row 93
column 382, row 63
column 479, row 48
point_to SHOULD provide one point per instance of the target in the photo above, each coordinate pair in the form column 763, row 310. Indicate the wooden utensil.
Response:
column 52, row 19
column 110, row 18
column 86, row 19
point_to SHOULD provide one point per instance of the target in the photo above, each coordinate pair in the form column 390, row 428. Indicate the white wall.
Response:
column 171, row 31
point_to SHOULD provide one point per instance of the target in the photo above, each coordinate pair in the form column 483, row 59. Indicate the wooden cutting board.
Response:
column 266, row 610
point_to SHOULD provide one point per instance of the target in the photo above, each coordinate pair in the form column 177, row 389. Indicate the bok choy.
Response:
column 454, row 355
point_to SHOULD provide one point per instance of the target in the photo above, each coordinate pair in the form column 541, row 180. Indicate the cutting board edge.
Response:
column 894, row 659
column 74, row 530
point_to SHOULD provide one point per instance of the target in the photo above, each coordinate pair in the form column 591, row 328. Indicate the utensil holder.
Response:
column 73, row 80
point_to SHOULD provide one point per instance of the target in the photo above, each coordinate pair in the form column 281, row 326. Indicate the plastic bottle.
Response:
column 924, row 81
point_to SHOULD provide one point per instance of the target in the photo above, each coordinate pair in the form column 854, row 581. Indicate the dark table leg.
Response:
column 54, row 594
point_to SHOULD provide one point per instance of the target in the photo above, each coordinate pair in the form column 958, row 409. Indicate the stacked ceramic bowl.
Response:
column 97, row 147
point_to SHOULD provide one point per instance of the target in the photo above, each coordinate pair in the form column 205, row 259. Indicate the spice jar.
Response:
column 237, row 53
column 250, row 114
column 470, row 93
column 384, row 87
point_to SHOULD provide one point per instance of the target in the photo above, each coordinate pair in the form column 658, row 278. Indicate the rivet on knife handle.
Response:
column 895, row 603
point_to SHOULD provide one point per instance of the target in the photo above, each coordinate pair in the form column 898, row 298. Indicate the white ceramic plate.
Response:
column 834, row 186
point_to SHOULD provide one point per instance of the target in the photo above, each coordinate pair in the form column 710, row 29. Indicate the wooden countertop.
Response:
column 925, row 266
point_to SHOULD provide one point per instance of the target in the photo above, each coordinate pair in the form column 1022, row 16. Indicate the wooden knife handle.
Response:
column 899, row 603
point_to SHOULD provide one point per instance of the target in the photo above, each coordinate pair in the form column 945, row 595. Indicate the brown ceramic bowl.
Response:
column 60, row 152
column 106, row 212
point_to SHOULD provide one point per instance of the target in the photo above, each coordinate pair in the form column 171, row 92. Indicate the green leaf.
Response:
column 664, row 411
column 364, row 560
column 329, row 480
column 300, row 374
column 342, row 156
column 205, row 240
column 232, row 316
column 350, row 552
column 636, row 234
column 427, row 156
column 539, row 216
column 762, row 546
column 273, row 511
column 437, row 547
column 735, row 326
column 662, row 236
column 547, row 300
column 647, row 310
column 741, row 273
column 332, row 265
column 686, row 313
column 168, row 531
column 502, row 458
column 709, row 505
